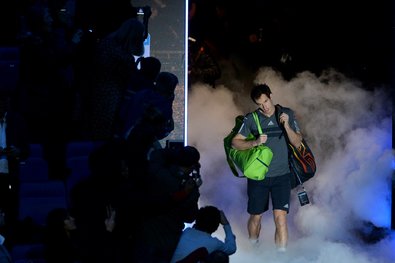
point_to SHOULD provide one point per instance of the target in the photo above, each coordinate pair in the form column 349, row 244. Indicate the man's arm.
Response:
column 239, row 142
column 295, row 138
column 230, row 239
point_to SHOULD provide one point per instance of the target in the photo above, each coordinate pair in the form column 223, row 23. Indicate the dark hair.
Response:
column 166, row 83
column 150, row 67
column 186, row 156
column 130, row 36
column 208, row 219
column 258, row 90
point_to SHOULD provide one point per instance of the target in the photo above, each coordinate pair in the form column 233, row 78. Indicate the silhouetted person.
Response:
column 5, row 256
column 148, row 119
column 131, row 106
column 46, row 81
column 14, row 148
column 59, row 239
column 114, row 65
column 200, row 235
column 172, row 196
column 145, row 77
column 94, row 203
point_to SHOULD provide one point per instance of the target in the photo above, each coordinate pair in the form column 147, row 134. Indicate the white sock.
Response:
column 253, row 241
column 281, row 249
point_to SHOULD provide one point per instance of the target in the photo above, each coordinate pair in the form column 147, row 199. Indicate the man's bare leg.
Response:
column 254, row 227
column 281, row 233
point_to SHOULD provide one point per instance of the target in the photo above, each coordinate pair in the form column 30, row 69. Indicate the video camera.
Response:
column 195, row 174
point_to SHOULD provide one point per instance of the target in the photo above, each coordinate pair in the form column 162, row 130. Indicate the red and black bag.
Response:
column 301, row 160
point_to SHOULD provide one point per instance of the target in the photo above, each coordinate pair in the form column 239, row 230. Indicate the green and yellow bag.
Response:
column 254, row 162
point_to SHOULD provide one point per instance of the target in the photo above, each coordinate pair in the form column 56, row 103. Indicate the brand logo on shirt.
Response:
column 270, row 123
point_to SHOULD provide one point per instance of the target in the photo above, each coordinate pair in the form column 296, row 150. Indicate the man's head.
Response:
column 208, row 219
column 185, row 157
column 261, row 95
column 130, row 36
column 150, row 67
column 188, row 158
column 166, row 83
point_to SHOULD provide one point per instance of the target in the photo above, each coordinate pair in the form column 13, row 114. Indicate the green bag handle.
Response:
column 258, row 125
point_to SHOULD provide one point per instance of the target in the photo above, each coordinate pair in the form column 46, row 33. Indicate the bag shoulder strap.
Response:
column 277, row 112
column 258, row 124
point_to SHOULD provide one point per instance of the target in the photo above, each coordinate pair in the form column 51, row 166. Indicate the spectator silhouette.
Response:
column 172, row 196
column 59, row 239
column 80, row 43
column 149, row 118
column 14, row 147
column 207, row 221
column 46, row 82
column 166, row 84
column 143, row 79
column 114, row 65
column 103, row 16
column 5, row 256
column 94, row 202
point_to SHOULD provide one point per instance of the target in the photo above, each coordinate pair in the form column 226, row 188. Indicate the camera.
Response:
column 196, row 175
column 303, row 198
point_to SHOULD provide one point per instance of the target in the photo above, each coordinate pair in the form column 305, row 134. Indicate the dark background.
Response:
column 354, row 37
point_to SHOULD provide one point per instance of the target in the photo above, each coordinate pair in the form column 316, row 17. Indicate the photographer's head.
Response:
column 188, row 157
column 208, row 219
